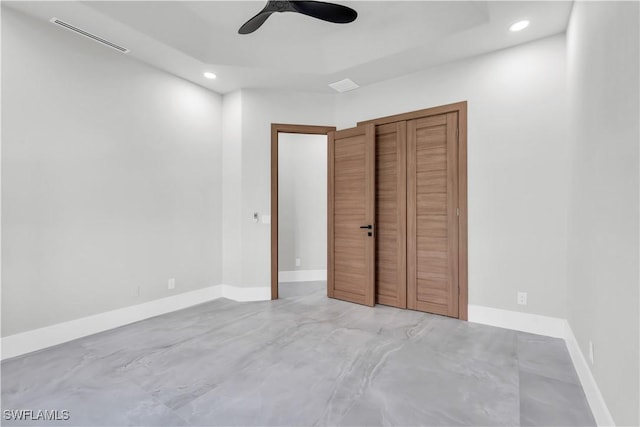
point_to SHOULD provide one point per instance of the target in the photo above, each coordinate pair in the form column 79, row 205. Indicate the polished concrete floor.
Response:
column 301, row 360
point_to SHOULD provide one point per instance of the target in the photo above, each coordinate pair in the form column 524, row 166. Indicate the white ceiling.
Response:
column 389, row 38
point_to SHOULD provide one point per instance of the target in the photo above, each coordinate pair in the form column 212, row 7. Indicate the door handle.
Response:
column 369, row 227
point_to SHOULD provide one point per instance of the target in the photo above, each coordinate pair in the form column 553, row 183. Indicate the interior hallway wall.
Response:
column 110, row 179
column 302, row 202
column 517, row 164
column 603, row 53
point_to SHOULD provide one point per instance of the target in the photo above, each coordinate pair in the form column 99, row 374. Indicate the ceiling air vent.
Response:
column 89, row 35
column 344, row 85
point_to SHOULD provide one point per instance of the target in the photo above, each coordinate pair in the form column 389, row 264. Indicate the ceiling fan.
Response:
column 326, row 11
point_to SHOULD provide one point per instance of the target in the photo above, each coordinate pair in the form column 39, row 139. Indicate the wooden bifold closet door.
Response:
column 405, row 177
column 432, row 214
column 351, row 215
column 391, row 214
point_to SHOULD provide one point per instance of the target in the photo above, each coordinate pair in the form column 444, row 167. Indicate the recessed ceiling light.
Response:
column 519, row 26
column 209, row 75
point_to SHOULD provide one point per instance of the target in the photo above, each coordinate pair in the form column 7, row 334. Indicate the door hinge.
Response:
column 458, row 211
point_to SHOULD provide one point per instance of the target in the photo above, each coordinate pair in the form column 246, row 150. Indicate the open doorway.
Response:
column 298, row 209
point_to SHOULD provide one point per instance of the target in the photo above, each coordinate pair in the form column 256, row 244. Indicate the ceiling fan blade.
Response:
column 254, row 23
column 325, row 11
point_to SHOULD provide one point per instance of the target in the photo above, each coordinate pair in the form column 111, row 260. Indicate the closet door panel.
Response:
column 351, row 206
column 391, row 214
column 432, row 219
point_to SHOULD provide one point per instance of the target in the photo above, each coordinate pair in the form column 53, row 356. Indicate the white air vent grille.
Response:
column 344, row 85
column 89, row 35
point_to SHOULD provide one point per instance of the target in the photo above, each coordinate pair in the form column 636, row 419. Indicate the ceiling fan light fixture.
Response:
column 519, row 26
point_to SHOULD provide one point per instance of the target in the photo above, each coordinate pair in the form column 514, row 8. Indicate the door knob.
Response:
column 368, row 227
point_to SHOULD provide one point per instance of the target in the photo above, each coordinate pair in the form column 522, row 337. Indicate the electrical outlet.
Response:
column 297, row 262
column 522, row 298
column 171, row 284
column 591, row 352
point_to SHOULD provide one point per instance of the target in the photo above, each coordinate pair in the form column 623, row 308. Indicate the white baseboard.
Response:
column 552, row 327
column 525, row 322
column 37, row 339
column 594, row 397
column 237, row 293
column 302, row 275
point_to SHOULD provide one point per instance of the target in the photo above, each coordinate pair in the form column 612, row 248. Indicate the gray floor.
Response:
column 301, row 360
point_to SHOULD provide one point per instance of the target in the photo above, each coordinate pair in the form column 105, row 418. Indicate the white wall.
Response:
column 517, row 164
column 603, row 52
column 302, row 201
column 110, row 178
column 260, row 108
column 232, row 189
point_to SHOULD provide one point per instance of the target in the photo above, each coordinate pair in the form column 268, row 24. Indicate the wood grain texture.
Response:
column 277, row 128
column 391, row 153
column 411, row 216
column 432, row 221
column 418, row 114
column 330, row 210
column 351, row 268
column 370, row 137
column 452, row 211
column 463, row 260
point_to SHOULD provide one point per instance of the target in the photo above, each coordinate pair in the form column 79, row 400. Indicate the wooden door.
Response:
column 391, row 214
column 351, row 211
column 432, row 214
